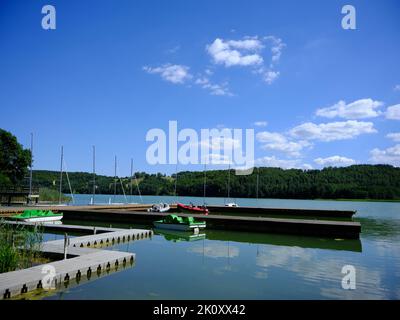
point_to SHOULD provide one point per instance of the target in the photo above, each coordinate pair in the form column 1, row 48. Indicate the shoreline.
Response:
column 214, row 197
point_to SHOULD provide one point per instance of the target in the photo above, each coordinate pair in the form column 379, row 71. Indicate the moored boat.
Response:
column 177, row 236
column 174, row 222
column 231, row 204
column 38, row 216
column 192, row 208
column 161, row 207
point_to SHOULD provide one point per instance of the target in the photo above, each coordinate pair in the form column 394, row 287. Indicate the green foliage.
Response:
column 14, row 160
column 19, row 246
column 51, row 195
column 353, row 182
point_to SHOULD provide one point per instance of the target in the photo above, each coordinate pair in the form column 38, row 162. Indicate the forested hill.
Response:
column 353, row 182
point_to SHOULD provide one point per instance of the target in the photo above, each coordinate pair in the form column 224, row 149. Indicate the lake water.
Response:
column 240, row 265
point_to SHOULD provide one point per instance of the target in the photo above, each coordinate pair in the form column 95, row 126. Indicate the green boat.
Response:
column 174, row 222
column 178, row 236
column 38, row 216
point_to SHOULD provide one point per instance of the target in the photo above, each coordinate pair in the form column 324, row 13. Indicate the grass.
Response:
column 51, row 195
column 19, row 246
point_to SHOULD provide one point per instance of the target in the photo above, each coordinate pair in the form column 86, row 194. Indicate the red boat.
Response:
column 192, row 209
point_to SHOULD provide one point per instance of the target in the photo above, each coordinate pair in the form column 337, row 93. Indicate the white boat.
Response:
column 231, row 204
column 44, row 219
column 161, row 207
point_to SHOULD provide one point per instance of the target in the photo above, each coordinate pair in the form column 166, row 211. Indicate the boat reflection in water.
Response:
column 177, row 236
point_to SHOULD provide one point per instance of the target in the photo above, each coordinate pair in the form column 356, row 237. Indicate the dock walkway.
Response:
column 82, row 259
column 313, row 222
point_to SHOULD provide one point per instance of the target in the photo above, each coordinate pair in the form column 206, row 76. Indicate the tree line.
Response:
column 354, row 182
column 379, row 182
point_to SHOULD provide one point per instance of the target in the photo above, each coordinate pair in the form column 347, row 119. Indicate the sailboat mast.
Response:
column 61, row 173
column 94, row 172
column 176, row 180
column 229, row 179
column 131, row 176
column 258, row 179
column 31, row 166
column 204, row 187
column 115, row 177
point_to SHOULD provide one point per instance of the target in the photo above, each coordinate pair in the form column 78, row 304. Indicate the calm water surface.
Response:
column 239, row 265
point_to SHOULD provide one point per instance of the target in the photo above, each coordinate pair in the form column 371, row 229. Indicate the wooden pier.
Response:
column 289, row 212
column 82, row 259
column 325, row 223
column 309, row 227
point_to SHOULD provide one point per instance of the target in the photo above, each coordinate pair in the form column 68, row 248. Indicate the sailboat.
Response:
column 92, row 202
column 48, row 215
column 115, row 185
column 230, row 203
column 137, row 185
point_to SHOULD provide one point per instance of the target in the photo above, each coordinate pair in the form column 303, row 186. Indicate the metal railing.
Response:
column 18, row 190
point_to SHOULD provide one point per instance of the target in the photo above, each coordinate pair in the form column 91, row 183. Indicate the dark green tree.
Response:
column 14, row 160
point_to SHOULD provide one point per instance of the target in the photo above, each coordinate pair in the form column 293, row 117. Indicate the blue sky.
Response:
column 315, row 94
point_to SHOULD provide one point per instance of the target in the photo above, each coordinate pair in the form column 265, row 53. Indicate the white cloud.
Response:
column 219, row 149
column 236, row 52
column 260, row 123
column 360, row 109
column 174, row 49
column 248, row 52
column 334, row 161
column 388, row 156
column 307, row 166
column 281, row 163
column 395, row 136
column 393, row 112
column 271, row 137
column 216, row 250
column 217, row 159
column 220, row 143
column 215, row 89
column 278, row 142
column 276, row 49
column 270, row 76
column 176, row 74
column 332, row 131
column 396, row 87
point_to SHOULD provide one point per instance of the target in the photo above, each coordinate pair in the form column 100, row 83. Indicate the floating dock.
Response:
column 264, row 212
column 218, row 210
column 334, row 229
column 250, row 219
column 82, row 259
